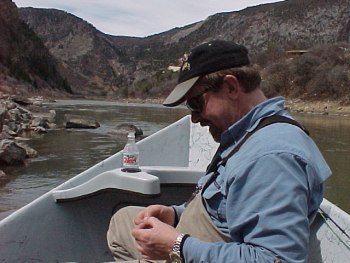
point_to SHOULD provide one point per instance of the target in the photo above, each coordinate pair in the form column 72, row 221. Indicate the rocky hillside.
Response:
column 102, row 65
column 92, row 64
column 24, row 60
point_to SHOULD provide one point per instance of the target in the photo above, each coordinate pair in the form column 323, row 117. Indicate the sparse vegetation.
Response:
column 156, row 86
column 323, row 73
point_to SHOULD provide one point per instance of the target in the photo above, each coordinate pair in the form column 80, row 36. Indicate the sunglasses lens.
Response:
column 194, row 105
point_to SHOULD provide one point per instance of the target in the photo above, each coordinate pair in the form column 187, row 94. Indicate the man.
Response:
column 262, row 190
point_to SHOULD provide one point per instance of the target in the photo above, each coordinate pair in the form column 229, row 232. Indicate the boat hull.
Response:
column 75, row 230
column 69, row 223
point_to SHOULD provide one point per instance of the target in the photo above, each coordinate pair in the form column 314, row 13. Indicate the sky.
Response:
column 141, row 18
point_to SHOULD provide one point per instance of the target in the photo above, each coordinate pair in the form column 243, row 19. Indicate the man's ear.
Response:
column 232, row 84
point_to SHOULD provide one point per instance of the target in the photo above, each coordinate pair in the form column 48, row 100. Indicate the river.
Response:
column 65, row 153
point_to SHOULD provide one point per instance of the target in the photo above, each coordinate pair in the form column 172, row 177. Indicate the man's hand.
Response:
column 155, row 239
column 163, row 213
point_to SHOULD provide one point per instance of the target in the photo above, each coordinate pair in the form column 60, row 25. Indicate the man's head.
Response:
column 215, row 80
column 202, row 60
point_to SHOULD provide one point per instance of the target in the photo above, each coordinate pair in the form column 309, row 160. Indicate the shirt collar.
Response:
column 251, row 120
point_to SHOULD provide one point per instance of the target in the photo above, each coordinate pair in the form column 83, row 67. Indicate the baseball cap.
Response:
column 204, row 59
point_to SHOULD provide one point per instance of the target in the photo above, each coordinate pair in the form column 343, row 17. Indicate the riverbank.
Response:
column 318, row 107
column 293, row 105
column 19, row 116
column 331, row 107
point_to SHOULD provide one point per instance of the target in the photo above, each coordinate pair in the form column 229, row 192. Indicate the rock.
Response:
column 30, row 152
column 42, row 121
column 4, row 179
column 9, row 131
column 27, row 117
column 24, row 127
column 36, row 122
column 21, row 139
column 124, row 128
column 52, row 113
column 21, row 101
column 37, row 103
column 40, row 130
column 11, row 105
column 51, row 125
column 11, row 153
column 50, row 116
column 12, row 126
column 3, row 115
column 5, row 135
column 80, row 122
column 23, row 110
column 16, row 115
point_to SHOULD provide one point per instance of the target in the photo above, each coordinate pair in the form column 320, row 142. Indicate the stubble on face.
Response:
column 214, row 131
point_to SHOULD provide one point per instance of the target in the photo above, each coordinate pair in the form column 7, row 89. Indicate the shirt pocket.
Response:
column 215, row 197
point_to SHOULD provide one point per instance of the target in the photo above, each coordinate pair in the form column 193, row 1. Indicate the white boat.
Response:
column 69, row 223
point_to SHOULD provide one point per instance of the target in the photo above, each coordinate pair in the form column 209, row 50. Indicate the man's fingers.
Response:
column 141, row 231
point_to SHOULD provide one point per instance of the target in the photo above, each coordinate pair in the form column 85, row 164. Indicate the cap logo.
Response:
column 185, row 64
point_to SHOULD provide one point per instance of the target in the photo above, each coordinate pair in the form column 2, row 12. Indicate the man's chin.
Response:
column 215, row 134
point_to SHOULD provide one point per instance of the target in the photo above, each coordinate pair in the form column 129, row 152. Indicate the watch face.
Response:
column 175, row 257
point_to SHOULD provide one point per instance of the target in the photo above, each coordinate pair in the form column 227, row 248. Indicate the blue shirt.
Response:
column 266, row 195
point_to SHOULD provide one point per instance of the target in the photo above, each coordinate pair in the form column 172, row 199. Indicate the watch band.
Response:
column 177, row 243
column 176, row 255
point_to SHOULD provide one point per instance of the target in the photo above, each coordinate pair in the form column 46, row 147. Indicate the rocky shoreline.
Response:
column 20, row 119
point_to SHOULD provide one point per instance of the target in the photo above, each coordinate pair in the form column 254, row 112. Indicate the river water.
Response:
column 65, row 153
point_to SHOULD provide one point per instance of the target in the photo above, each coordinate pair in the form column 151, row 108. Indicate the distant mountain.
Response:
column 89, row 60
column 24, row 60
column 96, row 64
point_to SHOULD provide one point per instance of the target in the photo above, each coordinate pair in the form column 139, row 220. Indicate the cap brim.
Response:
column 177, row 96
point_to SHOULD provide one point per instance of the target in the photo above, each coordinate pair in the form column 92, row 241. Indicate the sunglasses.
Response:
column 195, row 104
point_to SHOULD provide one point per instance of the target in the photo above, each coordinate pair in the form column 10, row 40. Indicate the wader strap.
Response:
column 212, row 167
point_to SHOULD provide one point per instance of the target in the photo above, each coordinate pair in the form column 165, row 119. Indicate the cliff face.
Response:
column 289, row 24
column 87, row 58
column 8, row 11
column 98, row 64
column 24, row 60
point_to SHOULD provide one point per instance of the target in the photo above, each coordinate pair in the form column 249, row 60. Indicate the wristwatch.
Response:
column 175, row 253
